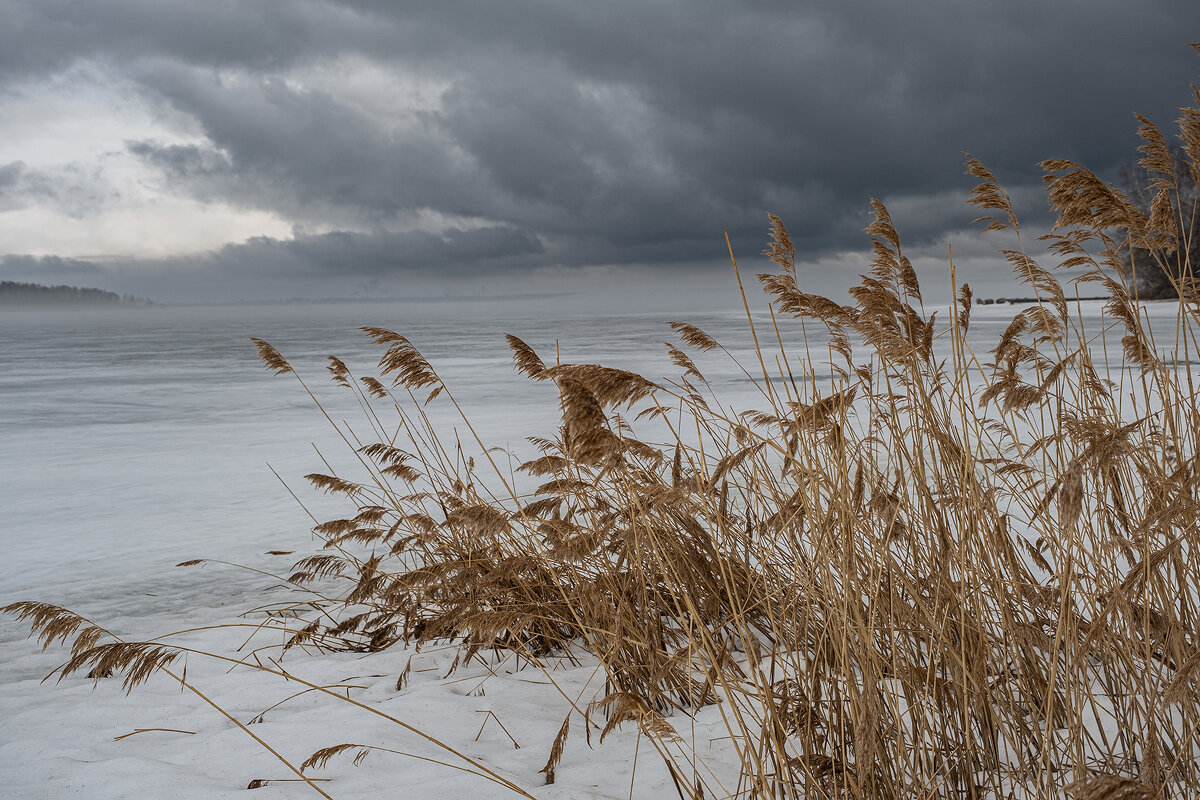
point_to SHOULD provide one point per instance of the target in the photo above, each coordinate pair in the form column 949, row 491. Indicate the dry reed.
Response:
column 922, row 577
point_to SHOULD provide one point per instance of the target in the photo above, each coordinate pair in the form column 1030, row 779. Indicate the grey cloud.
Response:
column 182, row 161
column 9, row 174
column 73, row 189
column 258, row 267
column 628, row 132
column 554, row 160
column 47, row 35
column 10, row 178
column 356, row 254
column 262, row 266
column 286, row 149
column 38, row 267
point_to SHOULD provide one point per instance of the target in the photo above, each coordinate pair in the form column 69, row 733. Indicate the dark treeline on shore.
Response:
column 23, row 295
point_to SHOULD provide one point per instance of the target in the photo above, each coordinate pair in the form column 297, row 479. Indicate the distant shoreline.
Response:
column 15, row 295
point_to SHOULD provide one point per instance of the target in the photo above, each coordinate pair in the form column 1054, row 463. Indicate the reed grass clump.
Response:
column 914, row 571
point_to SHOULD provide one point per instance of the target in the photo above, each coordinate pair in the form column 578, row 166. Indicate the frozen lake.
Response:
column 130, row 441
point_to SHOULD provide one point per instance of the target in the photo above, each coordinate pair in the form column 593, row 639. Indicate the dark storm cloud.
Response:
column 621, row 132
column 360, row 254
column 40, row 36
column 352, row 254
column 286, row 149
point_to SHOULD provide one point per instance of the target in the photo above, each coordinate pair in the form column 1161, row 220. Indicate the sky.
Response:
column 226, row 150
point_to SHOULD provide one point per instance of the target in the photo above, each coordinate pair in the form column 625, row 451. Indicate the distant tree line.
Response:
column 13, row 293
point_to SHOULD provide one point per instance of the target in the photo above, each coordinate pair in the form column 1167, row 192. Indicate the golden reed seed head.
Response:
column 271, row 358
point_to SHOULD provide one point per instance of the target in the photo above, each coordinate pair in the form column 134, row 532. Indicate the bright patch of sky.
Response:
column 79, row 193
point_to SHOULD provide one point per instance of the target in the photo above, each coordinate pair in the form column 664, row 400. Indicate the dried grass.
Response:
column 909, row 580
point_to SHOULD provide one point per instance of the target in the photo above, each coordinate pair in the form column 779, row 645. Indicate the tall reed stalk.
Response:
column 916, row 571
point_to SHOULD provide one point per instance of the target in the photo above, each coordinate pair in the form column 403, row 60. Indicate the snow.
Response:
column 86, row 757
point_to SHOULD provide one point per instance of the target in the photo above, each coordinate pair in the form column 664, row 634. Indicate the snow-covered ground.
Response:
column 76, row 739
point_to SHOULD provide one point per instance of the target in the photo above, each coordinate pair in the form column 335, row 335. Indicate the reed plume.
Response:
column 911, row 575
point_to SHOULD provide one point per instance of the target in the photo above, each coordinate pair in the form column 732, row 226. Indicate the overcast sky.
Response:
column 231, row 149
